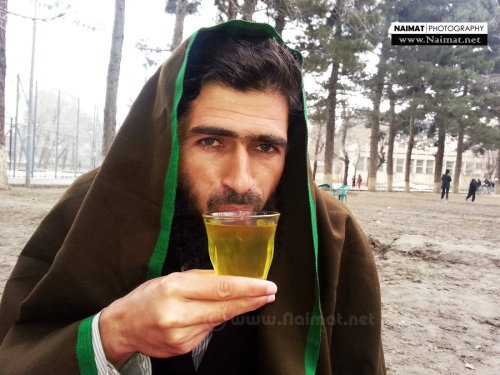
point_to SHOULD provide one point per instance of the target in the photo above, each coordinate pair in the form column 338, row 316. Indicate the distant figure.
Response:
column 472, row 190
column 360, row 180
column 445, row 184
column 354, row 180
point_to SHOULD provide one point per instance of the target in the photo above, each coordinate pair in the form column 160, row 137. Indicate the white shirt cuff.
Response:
column 137, row 364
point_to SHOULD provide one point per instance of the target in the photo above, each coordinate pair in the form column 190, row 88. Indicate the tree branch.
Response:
column 33, row 18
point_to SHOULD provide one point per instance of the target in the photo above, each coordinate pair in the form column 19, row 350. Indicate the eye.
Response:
column 265, row 148
column 209, row 142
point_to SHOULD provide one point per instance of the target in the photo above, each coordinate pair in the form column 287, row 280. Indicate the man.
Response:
column 114, row 277
column 473, row 186
column 445, row 184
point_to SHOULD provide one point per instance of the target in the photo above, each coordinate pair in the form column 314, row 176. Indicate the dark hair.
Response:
column 246, row 63
column 447, row 171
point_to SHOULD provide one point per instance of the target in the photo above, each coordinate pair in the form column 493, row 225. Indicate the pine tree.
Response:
column 335, row 36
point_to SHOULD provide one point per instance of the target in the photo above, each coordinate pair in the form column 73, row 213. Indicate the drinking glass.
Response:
column 241, row 243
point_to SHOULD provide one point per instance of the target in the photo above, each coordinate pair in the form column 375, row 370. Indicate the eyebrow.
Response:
column 264, row 138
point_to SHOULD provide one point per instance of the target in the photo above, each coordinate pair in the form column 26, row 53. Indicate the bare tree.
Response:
column 248, row 9
column 319, row 143
column 115, row 58
column 227, row 8
column 3, row 68
column 180, row 14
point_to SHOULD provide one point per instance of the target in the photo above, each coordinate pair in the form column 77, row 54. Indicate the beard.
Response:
column 188, row 247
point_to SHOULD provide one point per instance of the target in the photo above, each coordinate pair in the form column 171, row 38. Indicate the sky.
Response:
column 72, row 52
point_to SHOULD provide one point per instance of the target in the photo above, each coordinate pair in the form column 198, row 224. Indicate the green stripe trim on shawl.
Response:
column 314, row 334
column 85, row 349
column 167, row 213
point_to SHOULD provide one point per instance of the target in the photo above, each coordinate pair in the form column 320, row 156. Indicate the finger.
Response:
column 202, row 272
column 203, row 312
column 203, row 286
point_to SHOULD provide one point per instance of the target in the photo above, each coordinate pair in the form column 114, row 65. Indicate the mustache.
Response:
column 230, row 197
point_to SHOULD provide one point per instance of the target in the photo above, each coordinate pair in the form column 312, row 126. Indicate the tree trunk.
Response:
column 409, row 150
column 460, row 148
column 392, row 136
column 497, row 181
column 372, row 169
column 180, row 14
column 458, row 162
column 3, row 69
column 375, row 123
column 330, row 125
column 232, row 12
column 346, row 155
column 280, row 18
column 438, row 168
column 62, row 159
column 248, row 9
column 490, row 164
column 317, row 149
column 109, row 124
column 44, row 152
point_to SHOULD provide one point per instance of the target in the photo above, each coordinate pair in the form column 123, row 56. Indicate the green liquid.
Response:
column 241, row 250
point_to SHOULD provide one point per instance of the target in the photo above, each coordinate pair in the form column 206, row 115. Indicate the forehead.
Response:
column 243, row 112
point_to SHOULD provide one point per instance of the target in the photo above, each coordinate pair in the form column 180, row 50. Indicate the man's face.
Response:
column 233, row 148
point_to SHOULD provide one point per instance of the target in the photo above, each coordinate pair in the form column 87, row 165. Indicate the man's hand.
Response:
column 171, row 315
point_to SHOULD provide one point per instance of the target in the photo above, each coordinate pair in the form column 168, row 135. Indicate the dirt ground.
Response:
column 439, row 266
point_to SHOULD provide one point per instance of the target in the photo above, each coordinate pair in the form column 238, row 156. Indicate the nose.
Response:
column 238, row 174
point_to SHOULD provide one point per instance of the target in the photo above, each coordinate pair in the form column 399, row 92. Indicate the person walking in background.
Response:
column 354, row 180
column 472, row 190
column 360, row 181
column 445, row 184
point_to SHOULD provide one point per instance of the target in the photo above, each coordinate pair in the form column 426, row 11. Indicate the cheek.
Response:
column 269, row 181
column 198, row 177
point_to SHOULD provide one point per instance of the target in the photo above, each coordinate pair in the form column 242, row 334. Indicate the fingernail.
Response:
column 272, row 289
column 271, row 298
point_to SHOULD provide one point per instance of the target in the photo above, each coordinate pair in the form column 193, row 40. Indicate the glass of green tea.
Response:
column 241, row 243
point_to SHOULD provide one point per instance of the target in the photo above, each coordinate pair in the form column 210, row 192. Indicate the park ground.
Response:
column 439, row 267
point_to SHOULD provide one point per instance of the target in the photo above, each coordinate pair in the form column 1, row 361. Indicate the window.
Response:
column 429, row 167
column 479, row 167
column 468, row 167
column 450, row 165
column 420, row 166
column 400, row 165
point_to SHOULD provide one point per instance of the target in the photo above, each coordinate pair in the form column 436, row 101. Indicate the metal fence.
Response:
column 67, row 135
